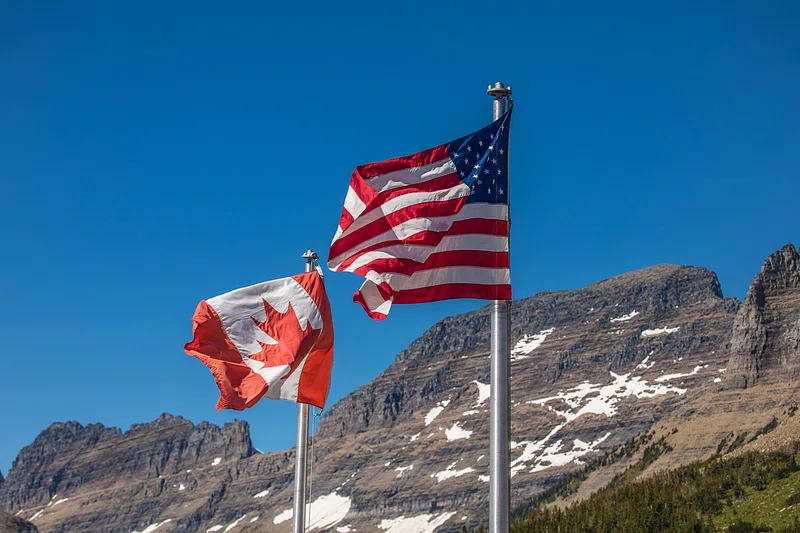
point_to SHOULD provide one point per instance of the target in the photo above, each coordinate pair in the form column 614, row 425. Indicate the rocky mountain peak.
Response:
column 765, row 343
column 781, row 270
column 661, row 293
column 67, row 455
column 62, row 438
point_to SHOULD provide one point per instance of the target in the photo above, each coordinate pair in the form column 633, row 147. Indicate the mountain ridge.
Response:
column 592, row 368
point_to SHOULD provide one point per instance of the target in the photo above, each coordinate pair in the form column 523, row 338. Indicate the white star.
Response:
column 501, row 151
column 494, row 161
column 466, row 160
column 489, row 191
column 475, row 176
column 502, row 128
column 477, row 166
column 469, row 148
column 486, row 171
column 491, row 136
column 480, row 143
column 499, row 171
column 491, row 147
column 480, row 182
column 501, row 192
column 462, row 173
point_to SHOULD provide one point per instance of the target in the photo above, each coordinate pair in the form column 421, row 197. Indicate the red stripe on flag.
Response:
column 384, row 224
column 346, row 219
column 359, row 299
column 425, row 157
column 440, row 292
column 448, row 181
column 475, row 226
column 453, row 290
column 437, row 260
column 483, row 226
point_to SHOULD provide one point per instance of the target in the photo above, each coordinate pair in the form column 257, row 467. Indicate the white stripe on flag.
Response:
column 483, row 210
column 403, row 230
column 373, row 298
column 404, row 201
column 442, row 276
column 410, row 176
column 353, row 204
column 470, row 242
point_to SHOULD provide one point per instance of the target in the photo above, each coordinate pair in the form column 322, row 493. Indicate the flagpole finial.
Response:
column 311, row 260
column 499, row 90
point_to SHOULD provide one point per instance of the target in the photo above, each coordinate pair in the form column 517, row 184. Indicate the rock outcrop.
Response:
column 12, row 524
column 68, row 459
column 765, row 344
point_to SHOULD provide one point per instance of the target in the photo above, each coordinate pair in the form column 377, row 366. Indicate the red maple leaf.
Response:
column 294, row 342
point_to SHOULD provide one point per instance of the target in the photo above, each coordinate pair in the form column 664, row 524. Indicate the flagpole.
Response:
column 500, row 405
column 301, row 450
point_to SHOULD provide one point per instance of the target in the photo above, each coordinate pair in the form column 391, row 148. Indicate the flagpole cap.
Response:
column 310, row 255
column 498, row 90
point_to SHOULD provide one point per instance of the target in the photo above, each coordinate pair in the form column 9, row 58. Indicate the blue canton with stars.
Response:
column 481, row 160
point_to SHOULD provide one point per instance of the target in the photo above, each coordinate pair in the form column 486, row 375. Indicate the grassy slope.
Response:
column 765, row 507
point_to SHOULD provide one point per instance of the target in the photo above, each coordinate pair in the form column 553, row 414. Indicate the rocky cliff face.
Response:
column 407, row 452
column 12, row 524
column 106, row 466
column 766, row 335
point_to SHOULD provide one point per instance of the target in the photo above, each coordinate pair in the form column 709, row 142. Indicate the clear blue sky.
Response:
column 153, row 154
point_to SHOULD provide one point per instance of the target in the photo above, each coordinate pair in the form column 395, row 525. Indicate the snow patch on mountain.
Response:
column 658, row 331
column 484, row 391
column 529, row 343
column 402, row 470
column 456, row 432
column 235, row 523
column 553, row 456
column 643, row 365
column 668, row 377
column 585, row 398
column 623, row 318
column 324, row 512
column 153, row 527
column 449, row 472
column 436, row 411
column 426, row 523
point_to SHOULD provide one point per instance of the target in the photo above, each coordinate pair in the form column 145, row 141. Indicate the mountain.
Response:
column 621, row 378
column 766, row 334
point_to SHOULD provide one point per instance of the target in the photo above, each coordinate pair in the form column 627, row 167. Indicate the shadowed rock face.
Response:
column 13, row 524
column 766, row 334
column 68, row 459
column 591, row 369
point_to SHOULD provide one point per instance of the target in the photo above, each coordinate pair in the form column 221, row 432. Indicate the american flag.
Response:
column 429, row 226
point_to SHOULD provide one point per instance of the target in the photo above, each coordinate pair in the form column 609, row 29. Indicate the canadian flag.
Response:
column 273, row 339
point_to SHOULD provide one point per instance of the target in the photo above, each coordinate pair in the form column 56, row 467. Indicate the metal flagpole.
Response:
column 500, row 405
column 301, row 450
